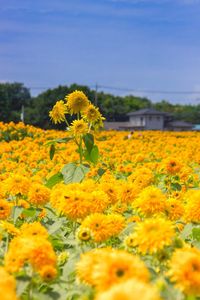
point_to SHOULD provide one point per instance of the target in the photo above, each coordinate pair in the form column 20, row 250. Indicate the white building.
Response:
column 150, row 119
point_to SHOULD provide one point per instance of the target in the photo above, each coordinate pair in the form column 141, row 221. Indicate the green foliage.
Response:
column 91, row 153
column 52, row 151
column 56, row 178
column 113, row 108
column 12, row 97
column 74, row 173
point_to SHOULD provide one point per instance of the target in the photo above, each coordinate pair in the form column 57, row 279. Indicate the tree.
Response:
column 12, row 97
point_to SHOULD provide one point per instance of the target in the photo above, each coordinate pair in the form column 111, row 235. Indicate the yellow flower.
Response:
column 185, row 270
column 110, row 189
column 129, row 241
column 18, row 252
column 48, row 273
column 42, row 254
column 91, row 114
column 175, row 209
column 172, row 165
column 105, row 267
column 38, row 194
column 79, row 127
column 10, row 228
column 7, row 285
column 131, row 289
column 118, row 266
column 84, row 234
column 77, row 102
column 17, row 184
column 134, row 219
column 72, row 203
column 33, row 229
column 5, row 209
column 128, row 192
column 192, row 207
column 103, row 226
column 57, row 114
column 85, row 265
column 150, row 201
column 63, row 257
column 152, row 235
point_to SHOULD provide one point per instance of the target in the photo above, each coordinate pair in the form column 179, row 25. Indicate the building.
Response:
column 150, row 119
column 179, row 126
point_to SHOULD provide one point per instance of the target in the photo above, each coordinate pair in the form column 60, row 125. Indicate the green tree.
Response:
column 12, row 97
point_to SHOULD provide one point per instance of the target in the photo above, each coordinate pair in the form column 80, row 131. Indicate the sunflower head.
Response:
column 48, row 273
column 77, row 102
column 57, row 114
column 84, row 234
column 92, row 114
column 79, row 127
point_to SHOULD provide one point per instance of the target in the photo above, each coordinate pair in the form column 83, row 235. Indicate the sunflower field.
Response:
column 98, row 215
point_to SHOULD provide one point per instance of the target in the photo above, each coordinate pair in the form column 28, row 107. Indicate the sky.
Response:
column 141, row 47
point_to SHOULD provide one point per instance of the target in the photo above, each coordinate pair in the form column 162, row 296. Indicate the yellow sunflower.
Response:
column 79, row 127
column 185, row 270
column 7, row 286
column 5, row 209
column 152, row 235
column 91, row 114
column 151, row 201
column 131, row 289
column 77, row 102
column 57, row 114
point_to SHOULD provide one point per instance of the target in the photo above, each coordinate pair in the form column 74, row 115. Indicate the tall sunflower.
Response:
column 77, row 102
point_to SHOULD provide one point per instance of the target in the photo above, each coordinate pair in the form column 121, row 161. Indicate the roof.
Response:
column 179, row 124
column 146, row 111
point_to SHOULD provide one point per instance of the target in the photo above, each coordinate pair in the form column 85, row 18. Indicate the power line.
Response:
column 148, row 91
column 132, row 90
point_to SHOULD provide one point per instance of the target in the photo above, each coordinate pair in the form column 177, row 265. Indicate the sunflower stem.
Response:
column 81, row 151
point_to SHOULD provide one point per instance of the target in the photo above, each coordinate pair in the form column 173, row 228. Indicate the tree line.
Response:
column 112, row 107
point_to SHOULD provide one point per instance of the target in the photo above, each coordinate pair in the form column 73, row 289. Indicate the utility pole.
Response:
column 22, row 114
column 96, row 96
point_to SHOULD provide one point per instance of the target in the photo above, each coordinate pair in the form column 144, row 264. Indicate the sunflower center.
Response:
column 84, row 234
column 120, row 273
column 195, row 267
column 173, row 164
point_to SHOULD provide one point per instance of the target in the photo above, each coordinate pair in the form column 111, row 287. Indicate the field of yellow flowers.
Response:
column 97, row 215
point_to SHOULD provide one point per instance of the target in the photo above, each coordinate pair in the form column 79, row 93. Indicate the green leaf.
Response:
column 22, row 284
column 176, row 186
column 73, row 173
column 29, row 212
column 16, row 212
column 196, row 234
column 101, row 171
column 186, row 232
column 88, row 141
column 94, row 154
column 52, row 151
column 53, row 180
column 50, row 295
column 69, row 267
column 62, row 140
column 55, row 227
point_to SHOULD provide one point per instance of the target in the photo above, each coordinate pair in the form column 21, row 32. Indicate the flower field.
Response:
column 97, row 215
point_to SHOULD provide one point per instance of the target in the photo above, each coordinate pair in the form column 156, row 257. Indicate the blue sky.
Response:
column 137, row 44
